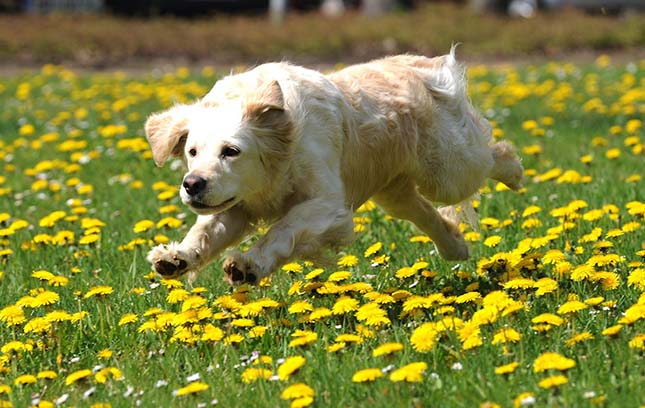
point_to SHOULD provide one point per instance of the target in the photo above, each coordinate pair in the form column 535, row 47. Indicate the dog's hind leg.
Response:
column 507, row 167
column 402, row 200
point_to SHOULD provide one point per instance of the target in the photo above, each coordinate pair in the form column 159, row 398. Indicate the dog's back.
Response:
column 413, row 118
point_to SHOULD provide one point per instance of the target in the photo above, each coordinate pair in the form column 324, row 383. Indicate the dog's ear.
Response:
column 265, row 108
column 167, row 132
column 272, row 125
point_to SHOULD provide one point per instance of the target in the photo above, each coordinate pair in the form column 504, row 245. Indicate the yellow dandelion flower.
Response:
column 468, row 297
column 47, row 375
column 506, row 335
column 548, row 318
column 372, row 314
column 89, row 239
column 424, row 337
column 348, row 261
column 530, row 210
column 99, row 291
column 486, row 315
column 333, row 348
column 37, row 325
column 295, row 391
column 492, row 241
column 519, row 283
column 143, row 225
column 77, row 376
column 212, row 333
column 578, row 338
column 319, row 313
column 169, row 222
column 507, row 368
column 104, row 354
column 530, row 223
column 127, row 319
column 302, row 338
column 636, row 278
column 553, row 381
column 292, row 267
column 349, row 338
column 367, row 375
column 103, row 374
column 373, row 249
column 571, row 306
column 594, row 301
column 612, row 154
column 233, row 338
column 545, row 286
column 633, row 314
column 257, row 331
column 314, row 274
column 387, row 349
column 301, row 402
column 613, row 330
column 193, row 303
column 58, row 281
column 25, row 379
column 301, row 306
column 177, row 296
column 553, row 256
column 290, row 366
column 339, row 276
column 405, row 272
column 523, row 399
column 631, row 226
column 345, row 304
column 16, row 347
column 191, row 388
column 552, row 361
column 638, row 342
column 412, row 372
column 472, row 236
column 58, row 316
column 42, row 275
column 253, row 374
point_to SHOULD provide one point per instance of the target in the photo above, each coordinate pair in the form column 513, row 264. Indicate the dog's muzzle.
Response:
column 194, row 184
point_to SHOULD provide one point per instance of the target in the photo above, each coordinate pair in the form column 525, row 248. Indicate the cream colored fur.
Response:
column 312, row 148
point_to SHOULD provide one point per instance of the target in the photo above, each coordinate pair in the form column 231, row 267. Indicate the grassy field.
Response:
column 99, row 41
column 549, row 310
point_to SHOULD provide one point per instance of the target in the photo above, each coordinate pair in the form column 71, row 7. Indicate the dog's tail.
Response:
column 445, row 79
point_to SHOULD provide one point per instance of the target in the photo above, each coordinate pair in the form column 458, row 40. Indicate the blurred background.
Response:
column 102, row 33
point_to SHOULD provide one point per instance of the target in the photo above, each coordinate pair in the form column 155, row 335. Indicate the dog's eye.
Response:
column 192, row 152
column 230, row 151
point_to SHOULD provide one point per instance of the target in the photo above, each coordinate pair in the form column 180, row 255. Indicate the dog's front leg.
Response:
column 302, row 232
column 207, row 238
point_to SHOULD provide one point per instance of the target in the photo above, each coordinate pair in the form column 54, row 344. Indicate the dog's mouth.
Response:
column 211, row 208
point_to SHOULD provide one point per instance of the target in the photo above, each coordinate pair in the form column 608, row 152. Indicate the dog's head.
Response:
column 231, row 149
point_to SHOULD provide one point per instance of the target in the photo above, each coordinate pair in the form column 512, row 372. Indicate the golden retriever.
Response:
column 300, row 150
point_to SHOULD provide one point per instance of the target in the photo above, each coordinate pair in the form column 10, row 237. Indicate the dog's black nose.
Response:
column 194, row 184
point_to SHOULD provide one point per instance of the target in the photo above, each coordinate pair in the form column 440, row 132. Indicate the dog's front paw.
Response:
column 239, row 270
column 168, row 261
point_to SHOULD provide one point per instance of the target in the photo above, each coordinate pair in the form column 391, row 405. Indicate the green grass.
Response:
column 544, row 110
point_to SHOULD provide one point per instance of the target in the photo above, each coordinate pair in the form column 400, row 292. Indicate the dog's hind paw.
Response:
column 238, row 270
column 454, row 246
column 168, row 261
